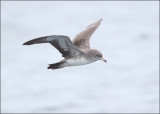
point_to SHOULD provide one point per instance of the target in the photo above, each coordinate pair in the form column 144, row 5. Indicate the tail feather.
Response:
column 56, row 65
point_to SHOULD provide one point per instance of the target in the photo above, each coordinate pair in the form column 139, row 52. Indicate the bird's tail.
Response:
column 58, row 65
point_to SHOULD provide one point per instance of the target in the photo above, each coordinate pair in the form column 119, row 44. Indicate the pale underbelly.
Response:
column 75, row 62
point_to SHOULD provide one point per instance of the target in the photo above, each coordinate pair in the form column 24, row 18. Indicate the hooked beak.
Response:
column 103, row 59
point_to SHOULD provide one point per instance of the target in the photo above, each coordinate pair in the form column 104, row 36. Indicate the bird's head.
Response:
column 96, row 55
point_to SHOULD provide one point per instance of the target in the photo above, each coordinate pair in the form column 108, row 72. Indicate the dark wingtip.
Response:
column 25, row 44
column 28, row 43
column 49, row 67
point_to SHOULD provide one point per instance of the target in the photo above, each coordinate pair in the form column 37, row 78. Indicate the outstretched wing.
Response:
column 82, row 39
column 62, row 43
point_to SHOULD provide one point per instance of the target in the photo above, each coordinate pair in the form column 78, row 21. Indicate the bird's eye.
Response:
column 97, row 55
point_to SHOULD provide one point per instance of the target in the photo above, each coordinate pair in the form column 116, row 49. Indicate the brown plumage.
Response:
column 76, row 53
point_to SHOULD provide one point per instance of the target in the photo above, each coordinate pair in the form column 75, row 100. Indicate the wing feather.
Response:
column 62, row 43
column 81, row 40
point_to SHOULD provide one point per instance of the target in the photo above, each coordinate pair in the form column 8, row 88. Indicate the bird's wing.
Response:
column 62, row 43
column 82, row 39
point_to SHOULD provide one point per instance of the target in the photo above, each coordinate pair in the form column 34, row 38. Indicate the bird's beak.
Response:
column 103, row 59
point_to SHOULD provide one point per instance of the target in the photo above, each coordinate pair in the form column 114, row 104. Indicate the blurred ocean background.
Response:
column 128, row 37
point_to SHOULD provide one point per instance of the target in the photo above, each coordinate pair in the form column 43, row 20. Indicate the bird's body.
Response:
column 76, row 52
column 75, row 61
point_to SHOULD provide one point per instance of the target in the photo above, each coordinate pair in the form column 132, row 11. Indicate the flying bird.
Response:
column 76, row 52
